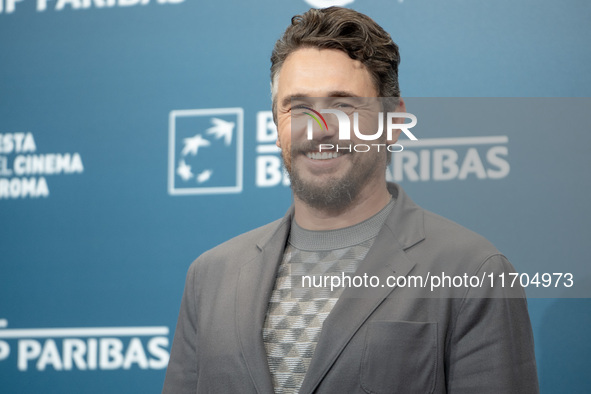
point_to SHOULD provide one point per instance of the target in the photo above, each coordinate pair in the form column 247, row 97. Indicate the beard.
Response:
column 334, row 193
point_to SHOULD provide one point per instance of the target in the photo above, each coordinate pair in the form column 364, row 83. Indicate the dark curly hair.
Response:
column 346, row 30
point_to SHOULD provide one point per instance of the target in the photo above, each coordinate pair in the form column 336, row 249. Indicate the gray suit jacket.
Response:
column 376, row 340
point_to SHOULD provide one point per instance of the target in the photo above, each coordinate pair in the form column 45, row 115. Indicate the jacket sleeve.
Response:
column 181, row 374
column 491, row 348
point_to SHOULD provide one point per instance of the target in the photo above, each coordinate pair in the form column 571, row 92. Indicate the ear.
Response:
column 396, row 133
column 277, row 142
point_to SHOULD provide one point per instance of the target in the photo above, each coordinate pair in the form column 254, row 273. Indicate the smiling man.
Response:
column 249, row 323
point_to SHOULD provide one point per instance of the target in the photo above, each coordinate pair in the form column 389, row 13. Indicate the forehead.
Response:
column 317, row 72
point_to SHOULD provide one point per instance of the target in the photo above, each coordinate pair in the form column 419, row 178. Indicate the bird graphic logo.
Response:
column 220, row 129
column 206, row 151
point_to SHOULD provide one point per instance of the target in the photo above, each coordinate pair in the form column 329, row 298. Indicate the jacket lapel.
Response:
column 403, row 228
column 254, row 287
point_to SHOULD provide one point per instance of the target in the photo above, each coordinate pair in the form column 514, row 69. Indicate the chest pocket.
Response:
column 399, row 357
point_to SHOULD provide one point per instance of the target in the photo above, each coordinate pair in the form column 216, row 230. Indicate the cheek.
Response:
column 286, row 154
column 284, row 130
column 284, row 137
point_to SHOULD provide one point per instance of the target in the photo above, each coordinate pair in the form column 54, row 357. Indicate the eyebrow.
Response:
column 336, row 93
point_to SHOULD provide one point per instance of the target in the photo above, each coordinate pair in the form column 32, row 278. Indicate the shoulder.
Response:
column 447, row 232
column 248, row 241
column 239, row 249
column 454, row 248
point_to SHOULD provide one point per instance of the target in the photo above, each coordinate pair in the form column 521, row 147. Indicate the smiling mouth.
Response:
column 323, row 155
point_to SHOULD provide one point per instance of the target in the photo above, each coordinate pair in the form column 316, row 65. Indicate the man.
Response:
column 247, row 325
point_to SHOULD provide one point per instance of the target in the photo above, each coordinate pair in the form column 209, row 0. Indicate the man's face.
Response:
column 330, row 182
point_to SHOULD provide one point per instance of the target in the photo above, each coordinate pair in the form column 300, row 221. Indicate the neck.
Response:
column 370, row 200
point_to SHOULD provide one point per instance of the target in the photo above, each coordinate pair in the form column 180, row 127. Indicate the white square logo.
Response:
column 205, row 151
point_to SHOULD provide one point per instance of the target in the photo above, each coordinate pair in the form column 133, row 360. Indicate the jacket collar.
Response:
column 405, row 215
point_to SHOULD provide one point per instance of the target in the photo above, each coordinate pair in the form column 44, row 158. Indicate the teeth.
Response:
column 323, row 155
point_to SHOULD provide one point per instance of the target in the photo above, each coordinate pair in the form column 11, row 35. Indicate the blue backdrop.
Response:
column 103, row 203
